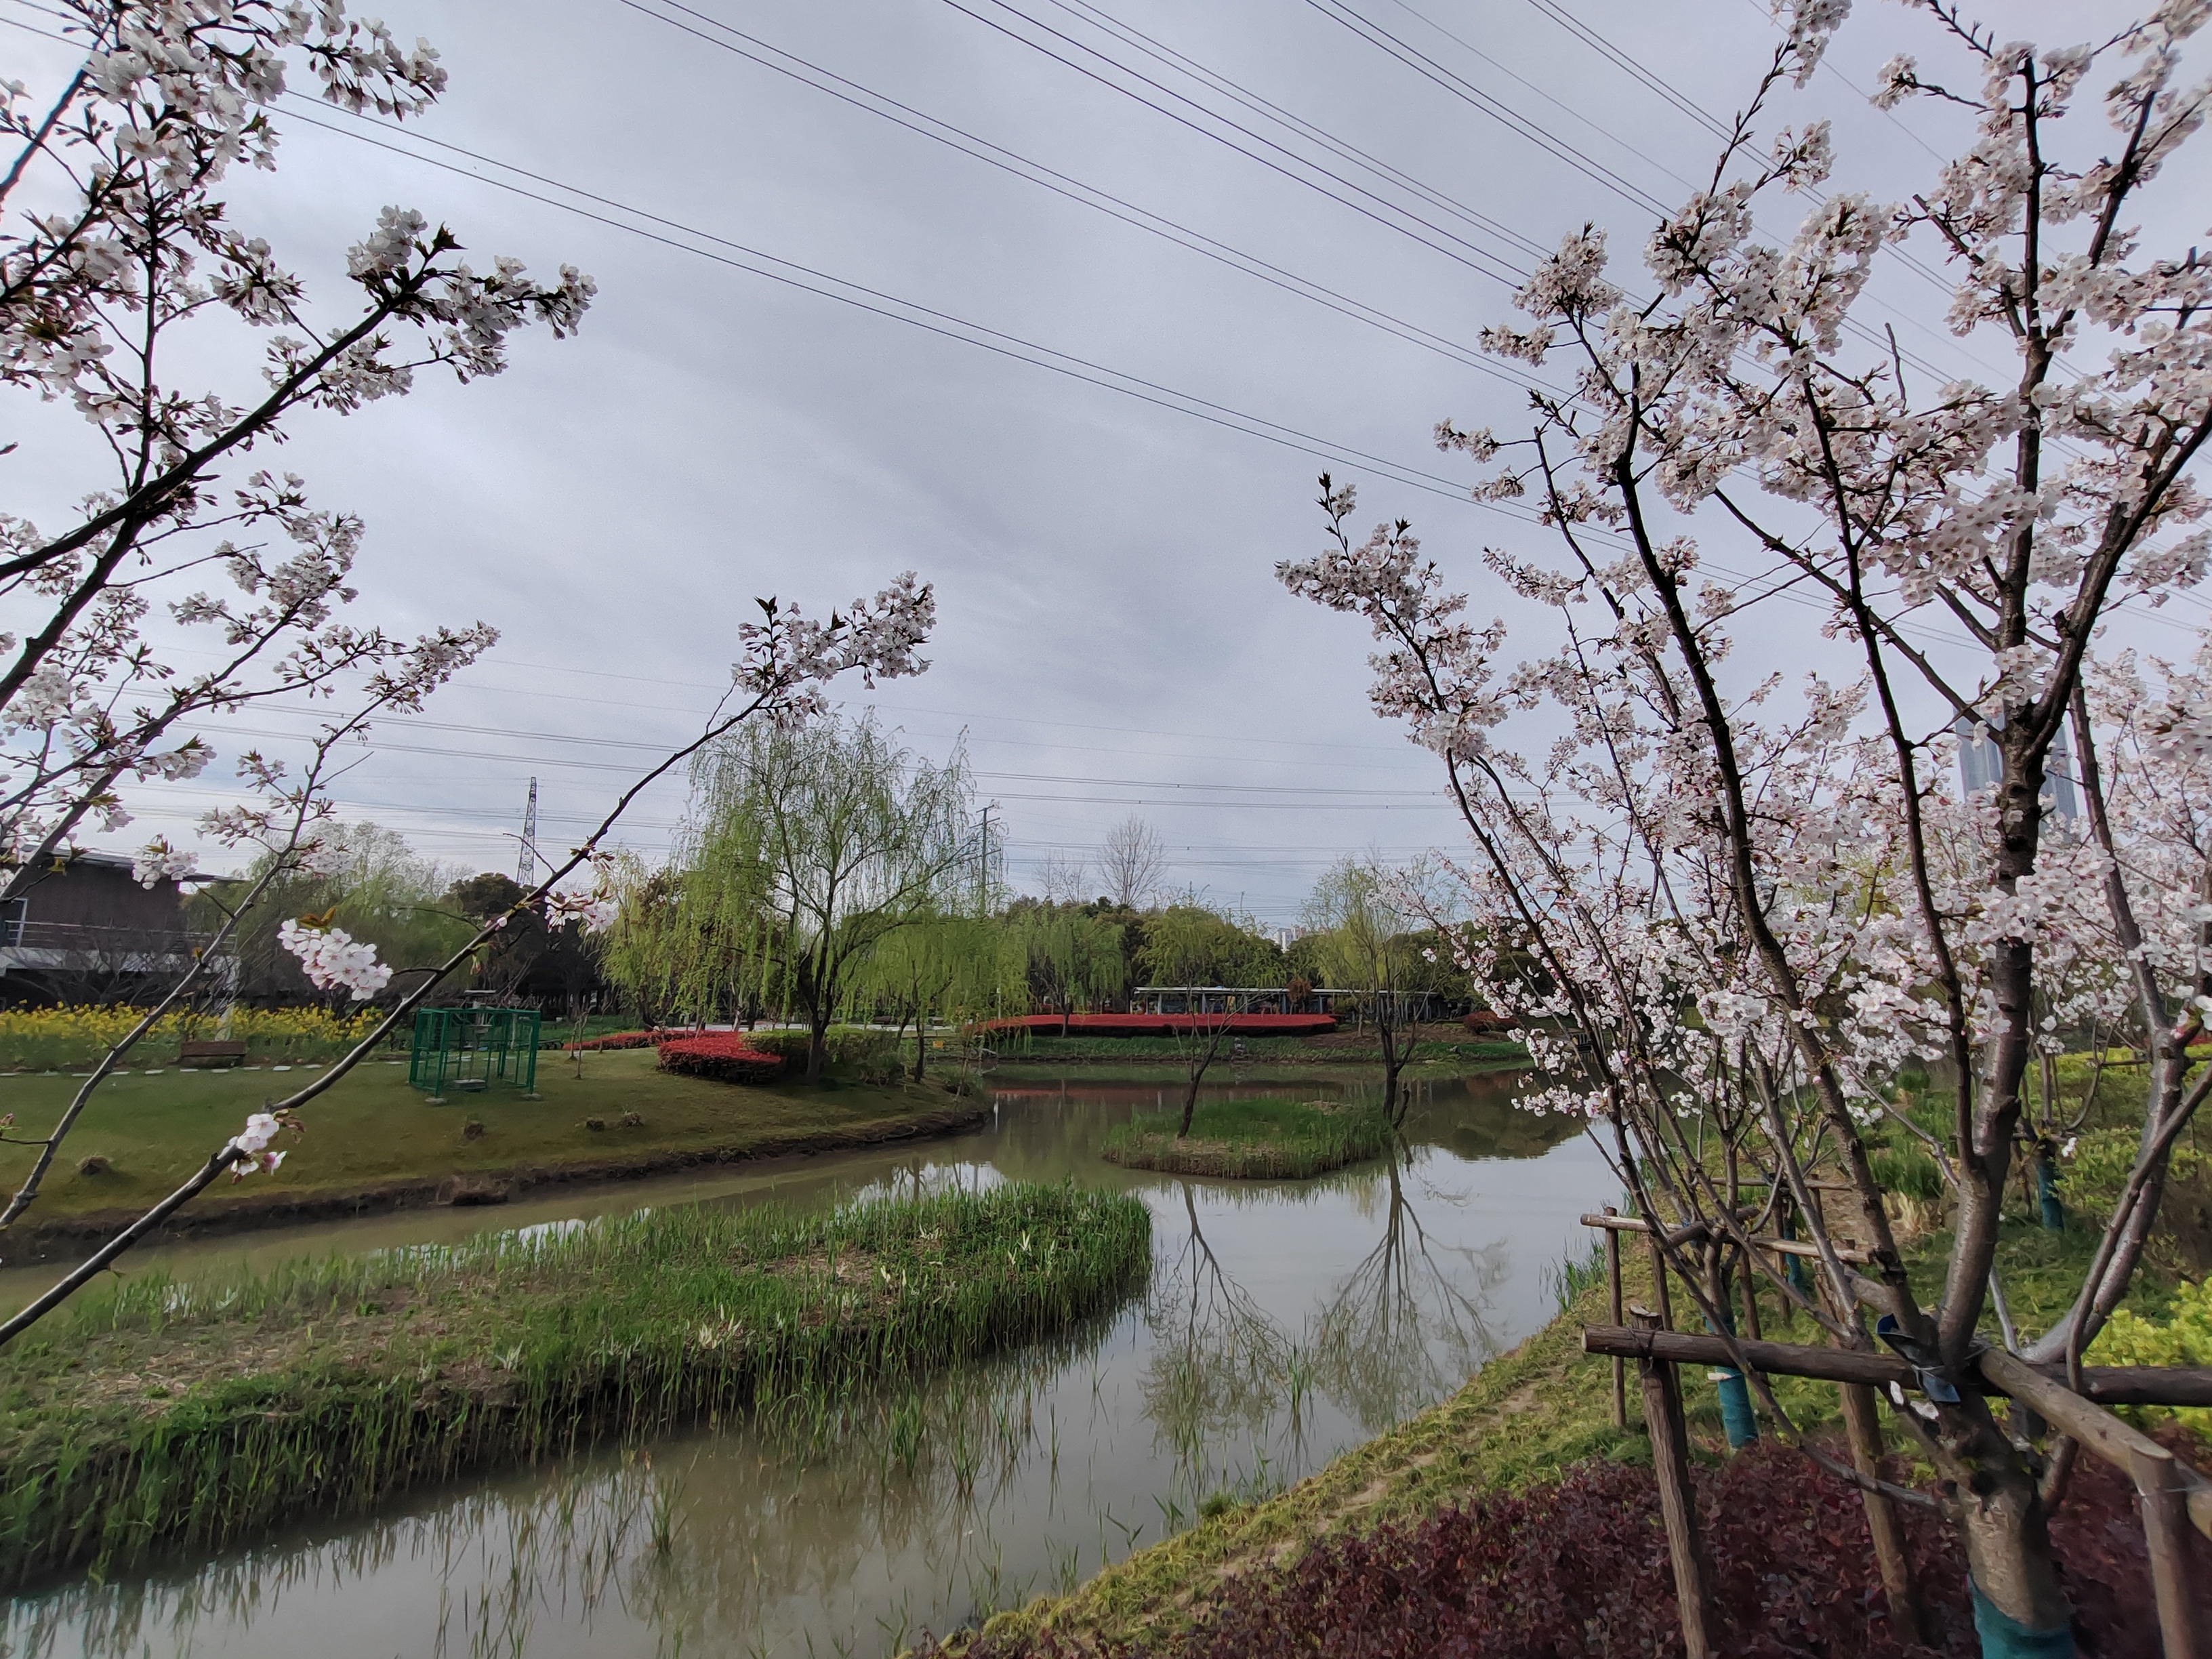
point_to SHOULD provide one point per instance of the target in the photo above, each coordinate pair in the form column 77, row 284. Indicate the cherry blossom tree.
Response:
column 124, row 292
column 122, row 277
column 1729, row 908
column 786, row 659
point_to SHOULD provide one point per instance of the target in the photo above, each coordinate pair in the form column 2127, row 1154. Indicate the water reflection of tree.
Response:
column 1218, row 1361
column 1411, row 1322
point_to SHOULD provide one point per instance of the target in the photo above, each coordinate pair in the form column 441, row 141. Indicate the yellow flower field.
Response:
column 60, row 1039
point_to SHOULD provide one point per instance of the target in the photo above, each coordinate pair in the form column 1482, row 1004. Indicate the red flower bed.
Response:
column 1168, row 1024
column 1580, row 1568
column 721, row 1055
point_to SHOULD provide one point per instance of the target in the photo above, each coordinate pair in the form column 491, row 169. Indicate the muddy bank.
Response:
column 62, row 1237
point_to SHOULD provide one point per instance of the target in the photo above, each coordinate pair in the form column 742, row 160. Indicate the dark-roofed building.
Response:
column 89, row 933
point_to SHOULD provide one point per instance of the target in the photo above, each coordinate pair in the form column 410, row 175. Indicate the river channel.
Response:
column 1283, row 1323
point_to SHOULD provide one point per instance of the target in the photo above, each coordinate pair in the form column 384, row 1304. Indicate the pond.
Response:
column 1284, row 1323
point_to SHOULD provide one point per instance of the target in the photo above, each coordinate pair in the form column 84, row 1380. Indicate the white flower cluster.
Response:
column 596, row 909
column 253, row 1143
column 157, row 862
column 331, row 957
column 787, row 658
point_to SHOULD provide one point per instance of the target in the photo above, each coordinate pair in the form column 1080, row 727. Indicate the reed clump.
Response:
column 1265, row 1139
column 156, row 1415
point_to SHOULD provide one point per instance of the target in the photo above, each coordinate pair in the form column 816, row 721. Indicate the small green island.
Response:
column 1269, row 1138
column 159, row 1413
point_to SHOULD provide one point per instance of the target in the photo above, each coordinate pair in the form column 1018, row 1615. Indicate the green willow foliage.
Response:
column 1186, row 944
column 942, row 969
column 806, row 849
column 1072, row 959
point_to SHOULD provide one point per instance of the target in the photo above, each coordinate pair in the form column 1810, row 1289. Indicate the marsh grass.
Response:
column 1269, row 1138
column 1573, row 1277
column 155, row 1415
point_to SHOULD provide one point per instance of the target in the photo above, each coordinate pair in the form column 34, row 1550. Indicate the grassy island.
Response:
column 155, row 1414
column 1269, row 1139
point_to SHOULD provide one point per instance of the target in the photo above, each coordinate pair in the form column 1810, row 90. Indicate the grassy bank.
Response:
column 1528, row 1418
column 371, row 1130
column 1269, row 1138
column 154, row 1415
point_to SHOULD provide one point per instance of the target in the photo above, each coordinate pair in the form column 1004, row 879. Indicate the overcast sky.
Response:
column 1111, row 639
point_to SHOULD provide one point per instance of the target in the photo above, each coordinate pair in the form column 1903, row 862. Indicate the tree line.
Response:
column 825, row 872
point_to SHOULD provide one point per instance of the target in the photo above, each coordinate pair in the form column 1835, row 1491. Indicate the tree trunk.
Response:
column 817, row 1043
column 920, row 1039
column 1393, row 1063
column 2001, row 1522
column 1190, row 1099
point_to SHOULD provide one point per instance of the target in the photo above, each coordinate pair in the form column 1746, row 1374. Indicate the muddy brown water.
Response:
column 1284, row 1323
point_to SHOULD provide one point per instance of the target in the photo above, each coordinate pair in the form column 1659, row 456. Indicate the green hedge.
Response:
column 849, row 1045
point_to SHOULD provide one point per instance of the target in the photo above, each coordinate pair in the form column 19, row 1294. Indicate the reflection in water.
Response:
column 1283, row 1323
column 1221, row 1368
column 1411, row 1319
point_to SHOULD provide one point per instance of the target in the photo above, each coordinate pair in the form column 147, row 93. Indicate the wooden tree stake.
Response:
column 2166, row 1531
column 1613, row 1302
column 1863, row 1423
column 1678, row 1506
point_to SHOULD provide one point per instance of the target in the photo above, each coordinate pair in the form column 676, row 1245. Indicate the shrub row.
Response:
column 725, row 1057
column 1580, row 1568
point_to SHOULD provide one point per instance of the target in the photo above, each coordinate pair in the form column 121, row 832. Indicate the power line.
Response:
column 1605, row 48
column 1581, row 160
column 928, row 318
column 377, row 745
column 1505, row 115
column 1160, row 53
column 946, row 324
column 799, row 68
column 1483, row 261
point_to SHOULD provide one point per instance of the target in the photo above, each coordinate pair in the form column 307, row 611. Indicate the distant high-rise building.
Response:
column 1981, row 766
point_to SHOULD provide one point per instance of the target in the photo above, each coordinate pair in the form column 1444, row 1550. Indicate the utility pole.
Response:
column 526, row 867
column 983, row 884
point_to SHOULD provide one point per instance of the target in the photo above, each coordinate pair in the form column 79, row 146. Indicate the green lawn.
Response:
column 371, row 1128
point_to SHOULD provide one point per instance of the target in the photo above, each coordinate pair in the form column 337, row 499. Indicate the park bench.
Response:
column 210, row 1054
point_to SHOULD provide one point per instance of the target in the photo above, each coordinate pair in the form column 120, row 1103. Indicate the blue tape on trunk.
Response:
column 2004, row 1639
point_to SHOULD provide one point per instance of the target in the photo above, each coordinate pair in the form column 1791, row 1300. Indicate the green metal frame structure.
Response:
column 469, row 1050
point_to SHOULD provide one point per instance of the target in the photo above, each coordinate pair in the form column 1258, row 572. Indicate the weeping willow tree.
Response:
column 646, row 953
column 1363, row 918
column 943, row 968
column 806, row 849
column 1070, row 956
